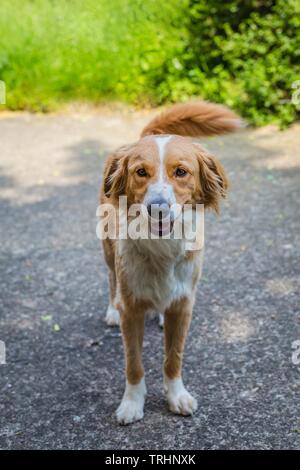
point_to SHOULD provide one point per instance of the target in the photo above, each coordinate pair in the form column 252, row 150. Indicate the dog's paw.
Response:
column 180, row 400
column 129, row 411
column 161, row 320
column 183, row 404
column 131, row 408
column 112, row 317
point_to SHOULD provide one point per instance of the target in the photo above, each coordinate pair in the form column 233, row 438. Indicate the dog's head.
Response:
column 162, row 171
column 165, row 170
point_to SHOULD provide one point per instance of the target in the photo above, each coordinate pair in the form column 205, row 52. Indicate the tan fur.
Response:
column 132, row 327
column 176, row 325
column 195, row 119
column 132, row 313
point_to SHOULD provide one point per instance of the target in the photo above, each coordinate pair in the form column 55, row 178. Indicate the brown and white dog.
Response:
column 164, row 167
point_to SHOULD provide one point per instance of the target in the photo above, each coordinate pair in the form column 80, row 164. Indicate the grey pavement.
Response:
column 63, row 377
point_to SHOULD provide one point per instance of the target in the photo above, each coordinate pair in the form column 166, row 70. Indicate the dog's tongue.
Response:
column 160, row 228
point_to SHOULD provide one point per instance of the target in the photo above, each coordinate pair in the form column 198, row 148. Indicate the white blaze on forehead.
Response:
column 160, row 188
column 161, row 144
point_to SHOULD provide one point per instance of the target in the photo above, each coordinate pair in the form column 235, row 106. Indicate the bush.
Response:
column 242, row 53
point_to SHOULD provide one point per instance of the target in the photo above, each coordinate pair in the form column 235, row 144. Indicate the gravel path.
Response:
column 64, row 373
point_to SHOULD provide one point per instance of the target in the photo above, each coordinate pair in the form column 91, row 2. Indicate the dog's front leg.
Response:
column 132, row 405
column 177, row 320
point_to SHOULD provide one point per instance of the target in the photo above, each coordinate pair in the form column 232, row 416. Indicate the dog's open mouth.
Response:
column 160, row 227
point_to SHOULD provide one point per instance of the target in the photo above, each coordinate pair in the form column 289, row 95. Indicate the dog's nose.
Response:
column 158, row 208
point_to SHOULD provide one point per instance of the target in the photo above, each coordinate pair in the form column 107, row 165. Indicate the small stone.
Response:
column 46, row 317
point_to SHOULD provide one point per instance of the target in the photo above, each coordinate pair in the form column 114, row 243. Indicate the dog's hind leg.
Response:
column 112, row 316
column 161, row 320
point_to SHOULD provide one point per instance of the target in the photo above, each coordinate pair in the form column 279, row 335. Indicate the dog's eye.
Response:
column 180, row 172
column 142, row 172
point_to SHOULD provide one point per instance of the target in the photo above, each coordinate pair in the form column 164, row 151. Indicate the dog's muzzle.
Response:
column 161, row 217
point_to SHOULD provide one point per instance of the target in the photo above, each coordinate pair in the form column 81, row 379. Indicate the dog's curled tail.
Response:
column 194, row 119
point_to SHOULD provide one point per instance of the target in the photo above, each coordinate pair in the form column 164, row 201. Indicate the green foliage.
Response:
column 57, row 50
column 242, row 53
column 246, row 54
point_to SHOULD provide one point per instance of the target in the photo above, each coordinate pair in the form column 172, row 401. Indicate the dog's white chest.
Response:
column 158, row 272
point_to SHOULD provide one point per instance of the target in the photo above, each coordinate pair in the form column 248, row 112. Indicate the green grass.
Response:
column 245, row 54
column 60, row 50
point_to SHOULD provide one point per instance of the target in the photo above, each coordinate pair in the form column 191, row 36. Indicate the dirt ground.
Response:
column 63, row 377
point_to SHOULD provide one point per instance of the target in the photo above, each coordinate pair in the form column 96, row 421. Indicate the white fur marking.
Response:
column 160, row 189
column 179, row 399
column 158, row 271
column 161, row 144
column 132, row 405
column 112, row 317
column 161, row 320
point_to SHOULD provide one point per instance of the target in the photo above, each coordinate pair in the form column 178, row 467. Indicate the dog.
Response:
column 164, row 167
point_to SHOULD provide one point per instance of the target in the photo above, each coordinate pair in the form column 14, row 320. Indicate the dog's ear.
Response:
column 213, row 180
column 115, row 173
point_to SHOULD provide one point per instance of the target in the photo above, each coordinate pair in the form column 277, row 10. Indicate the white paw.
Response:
column 183, row 403
column 131, row 408
column 179, row 399
column 161, row 320
column 112, row 316
column 129, row 411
